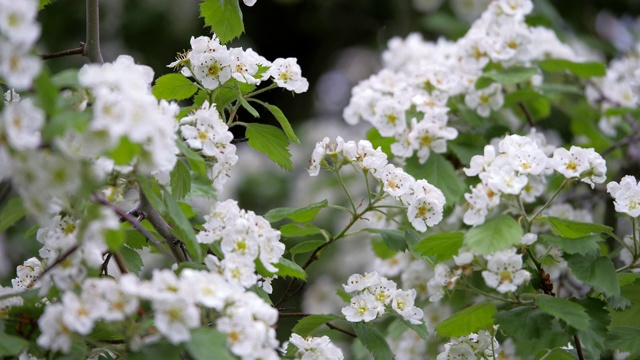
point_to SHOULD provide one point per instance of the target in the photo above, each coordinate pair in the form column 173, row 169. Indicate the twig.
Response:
column 333, row 327
column 578, row 347
column 92, row 48
column 135, row 223
column 62, row 257
column 293, row 315
column 122, row 266
column 105, row 265
column 527, row 114
column 69, row 52
column 237, row 141
column 158, row 223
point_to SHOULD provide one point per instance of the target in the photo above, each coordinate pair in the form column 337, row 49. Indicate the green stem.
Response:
column 346, row 191
column 92, row 45
column 260, row 91
column 565, row 183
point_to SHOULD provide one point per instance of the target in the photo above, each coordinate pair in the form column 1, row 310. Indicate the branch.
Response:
column 135, row 223
column 62, row 257
column 92, row 48
column 162, row 227
column 333, row 327
column 527, row 114
column 57, row 54
column 122, row 266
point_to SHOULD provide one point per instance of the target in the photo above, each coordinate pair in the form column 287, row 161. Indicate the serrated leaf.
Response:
column 248, row 106
column 523, row 322
column 377, row 140
column 575, row 229
column 439, row 172
column 595, row 270
column 373, row 341
column 624, row 339
column 182, row 227
column 297, row 230
column 282, row 120
column 469, row 320
column 132, row 259
column 441, row 247
column 173, row 87
column 381, row 249
column 628, row 278
column 224, row 17
column 187, row 209
column 159, row 350
column 580, row 245
column 394, row 239
column 557, row 354
column 125, row 152
column 270, row 141
column 308, row 325
column 301, row 215
column 594, row 338
column 134, row 239
column 12, row 211
column 12, row 345
column 180, row 180
column 498, row 233
column 508, row 76
column 629, row 317
column 583, row 69
column 573, row 314
column 420, row 329
column 288, row 268
column 305, row 247
column 114, row 238
column 201, row 185
column 208, row 343
column 43, row 3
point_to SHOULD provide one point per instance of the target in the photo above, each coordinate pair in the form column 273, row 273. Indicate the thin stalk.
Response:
column 565, row 183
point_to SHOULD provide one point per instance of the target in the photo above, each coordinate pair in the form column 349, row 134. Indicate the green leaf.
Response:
column 594, row 338
column 270, row 141
column 595, row 270
column 43, row 3
column 114, row 238
column 557, row 354
column 624, row 339
column 284, row 122
column 618, row 111
column 296, row 230
column 125, row 152
column 584, row 69
column 149, row 190
column 628, row 278
column 12, row 345
column 224, row 17
column 196, row 162
column 508, row 76
column 180, row 180
column 134, row 239
column 499, row 233
column 377, row 140
column 248, row 106
column 305, row 247
column 201, row 185
column 301, row 215
column 63, row 121
column 394, row 239
column 568, row 311
column 373, row 341
column 159, row 350
column 132, row 259
column 288, row 268
column 12, row 211
column 574, row 229
column 511, row 322
column 308, row 325
column 208, row 343
column 67, row 78
column 469, row 320
column 559, row 89
column 579, row 245
column 47, row 92
column 187, row 209
column 441, row 247
column 629, row 317
column 173, row 87
column 182, row 227
column 381, row 249
column 439, row 172
column 420, row 329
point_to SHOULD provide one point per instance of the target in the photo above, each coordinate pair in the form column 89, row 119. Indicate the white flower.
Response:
column 22, row 123
column 363, row 307
column 403, row 303
column 626, row 195
column 425, row 205
column 78, row 316
column 55, row 334
column 316, row 157
column 395, row 181
column 505, row 271
column 443, row 278
column 581, row 163
column 18, row 21
column 528, row 238
column 357, row 282
column 175, row 318
column 310, row 348
column 287, row 74
column 485, row 100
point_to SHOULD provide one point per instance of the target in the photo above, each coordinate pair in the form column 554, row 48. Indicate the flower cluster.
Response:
column 19, row 31
column 124, row 107
column 244, row 237
column 315, row 348
column 424, row 201
column 626, row 195
column 176, row 303
column 204, row 130
column 482, row 345
column 409, row 99
column 376, row 296
column 212, row 64
column 518, row 166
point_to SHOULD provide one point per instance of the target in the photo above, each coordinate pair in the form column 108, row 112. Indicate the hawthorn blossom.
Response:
column 485, row 100
column 504, row 271
column 315, row 348
column 626, row 195
column 287, row 74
